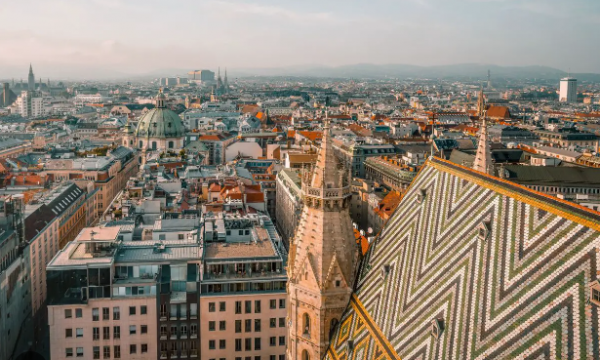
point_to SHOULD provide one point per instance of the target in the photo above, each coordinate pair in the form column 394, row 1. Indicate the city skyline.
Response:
column 115, row 38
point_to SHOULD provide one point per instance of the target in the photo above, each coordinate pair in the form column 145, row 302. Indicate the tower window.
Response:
column 306, row 325
column 305, row 355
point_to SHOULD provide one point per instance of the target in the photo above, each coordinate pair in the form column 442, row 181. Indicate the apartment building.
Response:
column 114, row 298
column 243, row 300
column 288, row 204
column 15, row 280
column 109, row 173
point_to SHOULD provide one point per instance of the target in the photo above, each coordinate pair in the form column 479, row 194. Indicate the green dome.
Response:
column 160, row 122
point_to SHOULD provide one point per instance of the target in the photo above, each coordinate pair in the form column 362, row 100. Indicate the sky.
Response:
column 97, row 38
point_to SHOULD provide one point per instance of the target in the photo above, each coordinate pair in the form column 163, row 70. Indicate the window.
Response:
column 163, row 330
column 282, row 341
column 257, row 325
column 238, row 344
column 238, row 326
column 248, row 305
column 257, row 306
column 144, row 329
column 116, row 313
column 78, row 313
column 173, row 330
column 282, row 357
column 143, row 310
column 272, row 304
column 68, row 313
column 144, row 348
column 95, row 314
column 222, row 325
column 238, row 307
column 79, row 332
column 132, row 330
column 211, row 326
column 222, row 306
column 79, row 351
column 281, row 322
column 272, row 341
column 222, row 344
column 248, row 325
column 256, row 343
column 106, row 352
column 184, row 330
column 193, row 311
column 105, row 314
column 106, row 333
column 132, row 348
column 116, row 332
column 132, row 310
column 282, row 303
column 306, row 324
column 248, row 344
column 69, row 334
column 171, row 144
column 69, row 352
column 272, row 357
column 211, row 307
column 596, row 295
column 117, row 351
column 305, row 355
column 193, row 330
column 211, row 344
column 96, row 334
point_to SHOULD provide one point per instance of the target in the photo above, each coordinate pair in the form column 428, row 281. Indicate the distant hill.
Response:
column 477, row 71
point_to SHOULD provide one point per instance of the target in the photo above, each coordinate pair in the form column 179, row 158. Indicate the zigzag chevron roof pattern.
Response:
column 503, row 270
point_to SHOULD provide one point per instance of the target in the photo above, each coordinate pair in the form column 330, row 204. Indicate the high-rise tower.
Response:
column 323, row 257
column 31, row 79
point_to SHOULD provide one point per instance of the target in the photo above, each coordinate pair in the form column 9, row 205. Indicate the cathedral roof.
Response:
column 471, row 266
column 160, row 122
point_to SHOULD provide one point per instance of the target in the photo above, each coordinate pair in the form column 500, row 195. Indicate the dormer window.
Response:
column 421, row 195
column 483, row 232
column 437, row 327
column 595, row 292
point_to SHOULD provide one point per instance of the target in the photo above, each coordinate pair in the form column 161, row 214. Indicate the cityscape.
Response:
column 242, row 206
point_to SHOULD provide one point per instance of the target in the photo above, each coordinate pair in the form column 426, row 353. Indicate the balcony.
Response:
column 194, row 353
column 193, row 336
column 163, row 354
column 163, row 336
column 174, row 354
column 184, row 354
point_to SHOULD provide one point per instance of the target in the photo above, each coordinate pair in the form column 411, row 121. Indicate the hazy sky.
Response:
column 75, row 37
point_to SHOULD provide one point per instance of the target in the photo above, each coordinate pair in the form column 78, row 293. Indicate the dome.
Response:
column 160, row 122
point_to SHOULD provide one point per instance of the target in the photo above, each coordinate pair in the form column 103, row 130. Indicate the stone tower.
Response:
column 323, row 258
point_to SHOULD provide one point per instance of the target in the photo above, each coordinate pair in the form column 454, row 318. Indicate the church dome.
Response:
column 160, row 122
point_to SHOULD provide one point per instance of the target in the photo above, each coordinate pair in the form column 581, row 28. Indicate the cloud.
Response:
column 244, row 8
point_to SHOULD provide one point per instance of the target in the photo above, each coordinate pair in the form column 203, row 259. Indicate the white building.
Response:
column 29, row 104
column 568, row 90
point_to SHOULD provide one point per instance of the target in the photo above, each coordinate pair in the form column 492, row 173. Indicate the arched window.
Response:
column 154, row 145
column 141, row 144
column 171, row 145
column 305, row 355
column 305, row 324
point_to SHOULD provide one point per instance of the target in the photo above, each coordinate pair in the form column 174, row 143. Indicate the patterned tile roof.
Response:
column 471, row 266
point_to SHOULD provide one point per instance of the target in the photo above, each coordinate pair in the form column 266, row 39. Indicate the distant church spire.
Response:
column 160, row 99
column 31, row 79
column 483, row 158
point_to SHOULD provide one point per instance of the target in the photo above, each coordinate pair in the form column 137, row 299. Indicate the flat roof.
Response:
column 229, row 251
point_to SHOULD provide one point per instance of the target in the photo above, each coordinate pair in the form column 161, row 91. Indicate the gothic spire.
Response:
column 326, row 170
column 483, row 158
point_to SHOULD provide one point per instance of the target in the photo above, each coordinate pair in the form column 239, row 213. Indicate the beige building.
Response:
column 243, row 303
column 109, row 173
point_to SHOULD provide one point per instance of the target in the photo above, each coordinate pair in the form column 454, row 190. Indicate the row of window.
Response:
column 106, row 351
column 105, row 313
column 183, row 330
column 106, row 332
column 247, row 306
